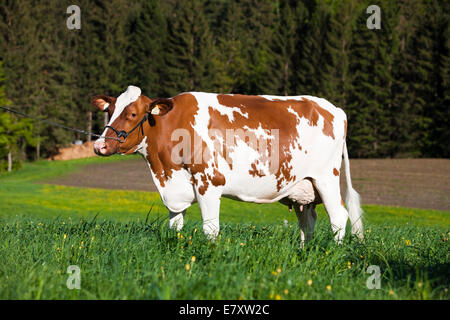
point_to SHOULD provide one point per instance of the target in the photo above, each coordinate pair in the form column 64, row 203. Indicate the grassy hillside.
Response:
column 123, row 253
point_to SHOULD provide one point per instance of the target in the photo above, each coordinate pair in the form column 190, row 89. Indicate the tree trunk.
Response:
column 38, row 148
column 89, row 125
column 9, row 161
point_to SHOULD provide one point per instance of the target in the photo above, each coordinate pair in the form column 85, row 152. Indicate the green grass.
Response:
column 125, row 254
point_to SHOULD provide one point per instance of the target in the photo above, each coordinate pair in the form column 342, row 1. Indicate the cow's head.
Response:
column 126, row 112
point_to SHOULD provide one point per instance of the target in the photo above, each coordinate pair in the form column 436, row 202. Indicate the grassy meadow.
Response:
column 125, row 252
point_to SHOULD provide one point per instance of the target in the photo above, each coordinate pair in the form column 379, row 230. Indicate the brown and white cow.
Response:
column 202, row 146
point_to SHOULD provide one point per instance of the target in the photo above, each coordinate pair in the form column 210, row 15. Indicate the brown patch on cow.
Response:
column 218, row 179
column 159, row 136
column 335, row 172
column 310, row 110
column 204, row 186
column 255, row 172
column 284, row 172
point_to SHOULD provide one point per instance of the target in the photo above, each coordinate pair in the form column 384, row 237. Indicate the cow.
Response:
column 253, row 148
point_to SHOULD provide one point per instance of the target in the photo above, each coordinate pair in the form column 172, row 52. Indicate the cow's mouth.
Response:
column 101, row 148
column 102, row 151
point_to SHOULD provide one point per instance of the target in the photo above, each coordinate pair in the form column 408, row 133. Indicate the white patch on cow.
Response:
column 325, row 104
column 260, row 132
column 105, row 106
column 142, row 147
column 211, row 100
column 129, row 96
column 177, row 193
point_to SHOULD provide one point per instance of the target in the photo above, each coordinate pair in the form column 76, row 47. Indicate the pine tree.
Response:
column 406, row 113
column 309, row 58
column 257, row 37
column 336, row 82
column 433, row 65
column 229, row 62
column 100, row 54
column 146, row 36
column 190, row 51
column 369, row 107
column 285, row 41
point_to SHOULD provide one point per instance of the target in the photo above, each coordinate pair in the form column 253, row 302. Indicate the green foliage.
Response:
column 13, row 132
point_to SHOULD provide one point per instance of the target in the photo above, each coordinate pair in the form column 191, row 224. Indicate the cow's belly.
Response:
column 268, row 187
column 265, row 191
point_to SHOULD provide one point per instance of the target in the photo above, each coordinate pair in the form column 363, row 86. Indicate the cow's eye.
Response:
column 133, row 115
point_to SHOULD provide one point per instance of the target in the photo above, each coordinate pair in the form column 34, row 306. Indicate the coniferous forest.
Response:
column 392, row 82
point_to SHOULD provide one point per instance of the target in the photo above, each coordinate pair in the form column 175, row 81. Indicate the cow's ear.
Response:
column 160, row 106
column 102, row 102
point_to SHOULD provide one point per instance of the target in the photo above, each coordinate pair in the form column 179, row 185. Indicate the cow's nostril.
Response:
column 99, row 145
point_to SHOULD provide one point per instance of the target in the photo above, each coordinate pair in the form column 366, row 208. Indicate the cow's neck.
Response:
column 154, row 148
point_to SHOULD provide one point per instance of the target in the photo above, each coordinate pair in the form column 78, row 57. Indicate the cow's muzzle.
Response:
column 101, row 148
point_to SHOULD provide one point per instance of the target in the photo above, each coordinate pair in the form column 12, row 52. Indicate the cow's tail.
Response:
column 352, row 200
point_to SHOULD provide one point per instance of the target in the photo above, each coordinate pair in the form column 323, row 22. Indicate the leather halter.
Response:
column 125, row 134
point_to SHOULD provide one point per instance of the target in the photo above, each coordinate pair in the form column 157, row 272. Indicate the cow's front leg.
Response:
column 176, row 219
column 209, row 203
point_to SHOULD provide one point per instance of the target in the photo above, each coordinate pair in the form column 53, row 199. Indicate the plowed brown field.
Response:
column 415, row 183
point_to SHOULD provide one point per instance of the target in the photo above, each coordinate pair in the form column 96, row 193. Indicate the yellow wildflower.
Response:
column 309, row 282
column 328, row 287
column 188, row 267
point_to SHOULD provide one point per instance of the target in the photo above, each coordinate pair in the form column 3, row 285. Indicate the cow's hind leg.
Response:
column 306, row 221
column 329, row 191
column 176, row 219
